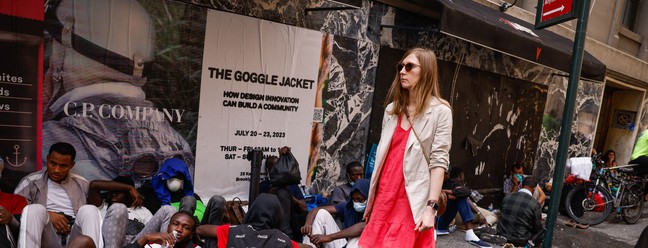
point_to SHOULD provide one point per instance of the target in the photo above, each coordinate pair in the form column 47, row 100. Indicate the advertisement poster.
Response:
column 259, row 81
column 21, row 29
column 121, row 84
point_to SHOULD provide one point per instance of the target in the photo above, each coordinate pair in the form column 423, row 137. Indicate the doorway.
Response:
column 617, row 124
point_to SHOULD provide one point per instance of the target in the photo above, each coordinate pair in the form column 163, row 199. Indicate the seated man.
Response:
column 291, row 198
column 458, row 204
column 354, row 171
column 180, row 232
column 260, row 228
column 483, row 218
column 58, row 209
column 521, row 216
column 11, row 206
column 517, row 172
column 321, row 230
column 120, row 191
column 173, row 183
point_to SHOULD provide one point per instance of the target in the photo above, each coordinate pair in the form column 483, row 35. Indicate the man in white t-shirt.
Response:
column 58, row 209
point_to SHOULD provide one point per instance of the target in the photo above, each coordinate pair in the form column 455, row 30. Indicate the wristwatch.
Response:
column 433, row 204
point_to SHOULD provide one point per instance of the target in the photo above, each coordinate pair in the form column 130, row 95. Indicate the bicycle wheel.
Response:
column 632, row 203
column 588, row 204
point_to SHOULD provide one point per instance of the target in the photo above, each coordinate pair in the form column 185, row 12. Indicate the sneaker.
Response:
column 494, row 239
column 452, row 228
column 442, row 232
column 484, row 230
column 479, row 243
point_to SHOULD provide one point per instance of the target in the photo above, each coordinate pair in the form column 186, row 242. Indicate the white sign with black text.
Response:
column 258, row 90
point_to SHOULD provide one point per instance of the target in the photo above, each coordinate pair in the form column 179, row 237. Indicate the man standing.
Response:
column 11, row 206
column 640, row 154
column 58, row 211
column 521, row 216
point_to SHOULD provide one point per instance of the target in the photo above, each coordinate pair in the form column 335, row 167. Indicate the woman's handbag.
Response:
column 443, row 198
column 443, row 203
column 286, row 170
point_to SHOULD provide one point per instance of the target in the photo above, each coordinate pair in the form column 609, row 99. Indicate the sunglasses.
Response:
column 408, row 66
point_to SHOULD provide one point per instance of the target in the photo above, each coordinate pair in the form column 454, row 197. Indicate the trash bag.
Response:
column 286, row 170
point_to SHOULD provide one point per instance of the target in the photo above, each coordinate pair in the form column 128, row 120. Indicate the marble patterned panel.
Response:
column 583, row 129
column 346, row 110
column 358, row 23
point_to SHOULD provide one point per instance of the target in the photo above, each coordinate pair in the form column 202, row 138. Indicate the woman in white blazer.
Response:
column 407, row 180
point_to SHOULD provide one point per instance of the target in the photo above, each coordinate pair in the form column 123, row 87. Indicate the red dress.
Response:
column 391, row 223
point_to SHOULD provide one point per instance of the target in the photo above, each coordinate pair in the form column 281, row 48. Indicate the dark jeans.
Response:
column 293, row 216
column 459, row 205
column 214, row 213
column 642, row 165
column 4, row 236
column 537, row 238
column 641, row 169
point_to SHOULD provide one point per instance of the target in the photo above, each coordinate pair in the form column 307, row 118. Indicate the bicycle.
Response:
column 592, row 201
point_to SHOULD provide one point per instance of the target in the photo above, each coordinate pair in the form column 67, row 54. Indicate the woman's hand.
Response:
column 427, row 221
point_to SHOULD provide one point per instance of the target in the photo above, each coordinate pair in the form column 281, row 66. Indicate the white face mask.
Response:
column 174, row 184
column 360, row 206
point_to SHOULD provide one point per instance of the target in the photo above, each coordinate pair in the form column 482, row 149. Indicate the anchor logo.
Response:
column 17, row 164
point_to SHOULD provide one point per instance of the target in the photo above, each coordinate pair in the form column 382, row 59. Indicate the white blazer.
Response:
column 434, row 128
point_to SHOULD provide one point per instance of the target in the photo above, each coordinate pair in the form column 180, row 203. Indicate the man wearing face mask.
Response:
column 354, row 171
column 173, row 186
column 321, row 230
column 516, row 183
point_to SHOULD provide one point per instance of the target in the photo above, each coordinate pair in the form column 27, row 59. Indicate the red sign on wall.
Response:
column 555, row 8
column 552, row 12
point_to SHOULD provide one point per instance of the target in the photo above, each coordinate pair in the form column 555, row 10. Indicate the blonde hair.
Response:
column 428, row 85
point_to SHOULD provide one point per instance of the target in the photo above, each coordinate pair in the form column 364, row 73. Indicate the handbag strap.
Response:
column 427, row 156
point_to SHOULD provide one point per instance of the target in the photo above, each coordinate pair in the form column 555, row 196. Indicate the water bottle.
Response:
column 175, row 238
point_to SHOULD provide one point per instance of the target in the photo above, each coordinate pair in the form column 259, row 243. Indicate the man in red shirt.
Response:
column 11, row 207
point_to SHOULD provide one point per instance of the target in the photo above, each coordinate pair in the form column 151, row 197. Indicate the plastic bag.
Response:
column 286, row 170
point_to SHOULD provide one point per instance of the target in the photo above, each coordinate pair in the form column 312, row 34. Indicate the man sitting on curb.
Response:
column 58, row 209
column 322, row 230
column 521, row 216
column 341, row 193
column 180, row 232
column 11, row 207
column 459, row 204
column 259, row 228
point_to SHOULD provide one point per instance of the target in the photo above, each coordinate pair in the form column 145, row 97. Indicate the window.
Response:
column 630, row 14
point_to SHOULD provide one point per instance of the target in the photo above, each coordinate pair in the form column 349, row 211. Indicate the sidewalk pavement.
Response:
column 611, row 233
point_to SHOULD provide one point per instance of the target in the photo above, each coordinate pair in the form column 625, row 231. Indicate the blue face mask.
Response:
column 519, row 177
column 360, row 206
